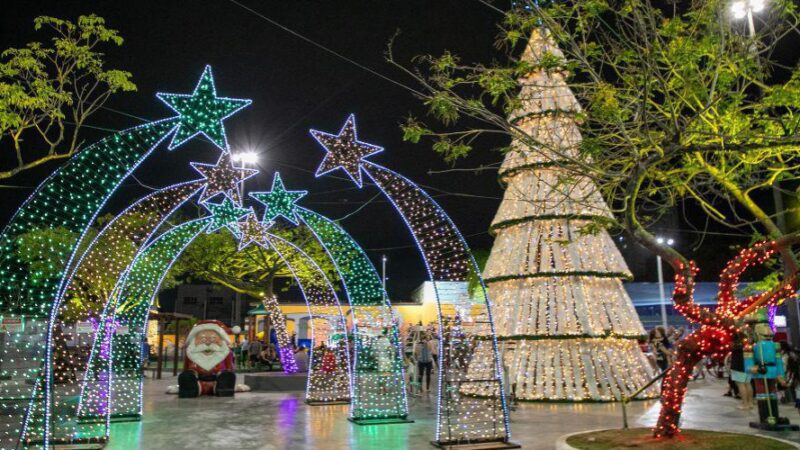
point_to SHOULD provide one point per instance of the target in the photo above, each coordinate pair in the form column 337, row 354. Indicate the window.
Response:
column 214, row 300
column 189, row 300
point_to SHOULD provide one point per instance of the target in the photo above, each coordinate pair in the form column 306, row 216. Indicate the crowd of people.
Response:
column 255, row 353
column 661, row 349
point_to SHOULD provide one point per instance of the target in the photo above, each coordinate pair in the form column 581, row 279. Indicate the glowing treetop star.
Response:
column 279, row 201
column 222, row 178
column 224, row 214
column 202, row 112
column 344, row 150
column 252, row 231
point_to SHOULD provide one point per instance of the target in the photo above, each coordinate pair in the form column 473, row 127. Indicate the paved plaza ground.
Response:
column 259, row 420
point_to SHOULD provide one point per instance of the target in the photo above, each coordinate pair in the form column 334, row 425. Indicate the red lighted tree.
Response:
column 717, row 328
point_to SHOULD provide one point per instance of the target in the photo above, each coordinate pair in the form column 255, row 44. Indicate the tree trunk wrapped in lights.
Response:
column 568, row 327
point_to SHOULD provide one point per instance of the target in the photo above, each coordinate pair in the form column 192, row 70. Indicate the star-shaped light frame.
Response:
column 202, row 112
column 222, row 178
column 225, row 213
column 279, row 201
column 345, row 151
column 252, row 231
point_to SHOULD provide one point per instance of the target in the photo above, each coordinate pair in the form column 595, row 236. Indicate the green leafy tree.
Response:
column 254, row 270
column 48, row 91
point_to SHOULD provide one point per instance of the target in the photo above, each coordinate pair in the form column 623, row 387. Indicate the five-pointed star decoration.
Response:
column 202, row 112
column 222, row 178
column 225, row 213
column 251, row 231
column 344, row 150
column 279, row 201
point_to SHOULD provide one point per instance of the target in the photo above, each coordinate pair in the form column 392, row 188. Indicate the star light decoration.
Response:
column 251, row 231
column 279, row 201
column 345, row 151
column 224, row 214
column 202, row 112
column 223, row 178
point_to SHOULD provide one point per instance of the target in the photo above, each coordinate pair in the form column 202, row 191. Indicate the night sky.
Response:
column 296, row 86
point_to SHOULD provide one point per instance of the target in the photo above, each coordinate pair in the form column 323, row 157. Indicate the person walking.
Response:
column 424, row 357
column 791, row 363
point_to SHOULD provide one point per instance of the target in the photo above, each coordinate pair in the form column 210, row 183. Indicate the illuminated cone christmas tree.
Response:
column 567, row 326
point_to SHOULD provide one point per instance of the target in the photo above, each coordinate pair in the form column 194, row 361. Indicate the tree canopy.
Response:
column 253, row 270
column 679, row 104
column 48, row 90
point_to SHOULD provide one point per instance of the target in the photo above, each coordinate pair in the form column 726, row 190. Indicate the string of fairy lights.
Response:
column 285, row 350
column 68, row 200
column 462, row 416
column 718, row 328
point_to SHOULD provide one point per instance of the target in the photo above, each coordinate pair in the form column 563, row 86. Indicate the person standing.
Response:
column 660, row 347
column 739, row 376
column 255, row 352
column 301, row 358
column 424, row 357
column 245, row 353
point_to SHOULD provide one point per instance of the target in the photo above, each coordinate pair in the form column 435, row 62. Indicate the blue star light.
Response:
column 222, row 178
column 345, row 151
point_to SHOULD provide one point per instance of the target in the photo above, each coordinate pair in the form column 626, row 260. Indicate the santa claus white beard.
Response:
column 207, row 356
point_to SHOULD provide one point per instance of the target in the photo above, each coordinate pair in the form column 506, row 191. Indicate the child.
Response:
column 411, row 375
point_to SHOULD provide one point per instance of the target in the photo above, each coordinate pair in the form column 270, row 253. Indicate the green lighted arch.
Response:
column 130, row 307
column 378, row 395
column 70, row 199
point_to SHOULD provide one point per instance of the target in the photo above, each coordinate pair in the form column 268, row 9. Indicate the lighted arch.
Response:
column 71, row 198
column 130, row 307
column 471, row 402
column 379, row 394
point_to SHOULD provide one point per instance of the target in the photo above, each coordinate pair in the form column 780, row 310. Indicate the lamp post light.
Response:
column 244, row 158
column 741, row 9
column 668, row 241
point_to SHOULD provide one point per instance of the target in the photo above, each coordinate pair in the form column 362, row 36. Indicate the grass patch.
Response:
column 641, row 438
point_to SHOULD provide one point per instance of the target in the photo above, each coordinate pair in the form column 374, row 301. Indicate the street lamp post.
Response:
column 245, row 158
column 383, row 275
column 661, row 282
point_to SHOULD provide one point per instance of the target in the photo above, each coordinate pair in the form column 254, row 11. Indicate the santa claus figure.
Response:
column 208, row 368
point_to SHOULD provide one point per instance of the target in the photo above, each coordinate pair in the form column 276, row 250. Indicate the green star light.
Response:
column 202, row 112
column 224, row 214
column 279, row 201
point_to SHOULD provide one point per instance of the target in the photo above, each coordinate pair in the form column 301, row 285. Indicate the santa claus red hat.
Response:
column 213, row 325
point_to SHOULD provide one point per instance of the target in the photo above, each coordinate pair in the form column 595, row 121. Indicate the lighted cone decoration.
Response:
column 567, row 327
